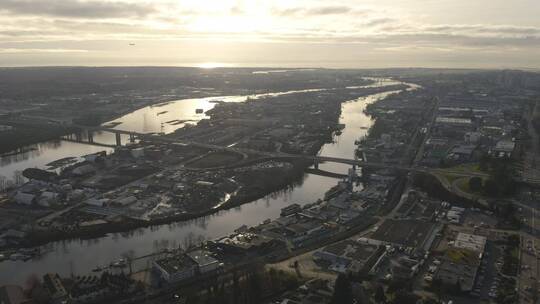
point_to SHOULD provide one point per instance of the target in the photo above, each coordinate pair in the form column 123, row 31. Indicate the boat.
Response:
column 98, row 269
column 121, row 263
column 199, row 111
column 335, row 191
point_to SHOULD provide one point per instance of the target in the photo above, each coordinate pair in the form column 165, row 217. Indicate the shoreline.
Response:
column 41, row 239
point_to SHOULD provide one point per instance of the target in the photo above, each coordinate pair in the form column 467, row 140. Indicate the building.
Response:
column 472, row 137
column 291, row 209
column 24, row 198
column 349, row 256
column 125, row 201
column 504, row 148
column 476, row 243
column 55, row 288
column 305, row 231
column 205, row 262
column 460, row 264
column 461, row 153
column 406, row 233
column 176, row 268
column 137, row 152
column 96, row 202
column 453, row 121
column 459, row 267
column 247, row 243
column 47, row 198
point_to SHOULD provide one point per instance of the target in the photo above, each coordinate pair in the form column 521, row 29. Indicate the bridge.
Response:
column 39, row 122
column 325, row 173
column 315, row 159
column 118, row 133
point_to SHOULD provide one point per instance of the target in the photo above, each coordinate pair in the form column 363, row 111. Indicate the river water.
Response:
column 81, row 256
column 162, row 118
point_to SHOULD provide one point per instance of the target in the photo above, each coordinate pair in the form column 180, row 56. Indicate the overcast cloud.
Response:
column 400, row 33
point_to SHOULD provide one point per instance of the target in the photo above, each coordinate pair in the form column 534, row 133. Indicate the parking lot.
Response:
column 488, row 278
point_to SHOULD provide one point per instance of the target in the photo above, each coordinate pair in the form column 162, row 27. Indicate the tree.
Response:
column 431, row 301
column 380, row 297
column 405, row 297
column 484, row 162
column 437, row 286
column 255, row 288
column 491, row 188
column 475, row 183
column 342, row 291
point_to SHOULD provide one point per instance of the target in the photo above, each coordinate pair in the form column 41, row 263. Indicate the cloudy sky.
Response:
column 310, row 33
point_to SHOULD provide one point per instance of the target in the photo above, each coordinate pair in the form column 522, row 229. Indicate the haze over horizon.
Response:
column 294, row 33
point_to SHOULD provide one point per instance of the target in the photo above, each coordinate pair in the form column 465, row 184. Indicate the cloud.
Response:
column 484, row 30
column 75, row 8
column 67, row 23
column 313, row 11
column 33, row 51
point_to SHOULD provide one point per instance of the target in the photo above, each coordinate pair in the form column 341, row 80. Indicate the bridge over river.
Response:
column 158, row 138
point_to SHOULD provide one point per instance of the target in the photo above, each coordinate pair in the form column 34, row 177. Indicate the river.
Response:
column 81, row 256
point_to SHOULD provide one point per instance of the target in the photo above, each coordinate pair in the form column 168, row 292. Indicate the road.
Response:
column 530, row 250
column 530, row 234
column 531, row 161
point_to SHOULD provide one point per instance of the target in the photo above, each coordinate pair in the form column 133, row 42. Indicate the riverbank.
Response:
column 266, row 186
column 21, row 138
column 280, row 183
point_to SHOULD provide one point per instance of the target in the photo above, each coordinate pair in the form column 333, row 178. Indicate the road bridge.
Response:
column 316, row 159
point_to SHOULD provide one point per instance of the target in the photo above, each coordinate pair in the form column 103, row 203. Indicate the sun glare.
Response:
column 213, row 65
